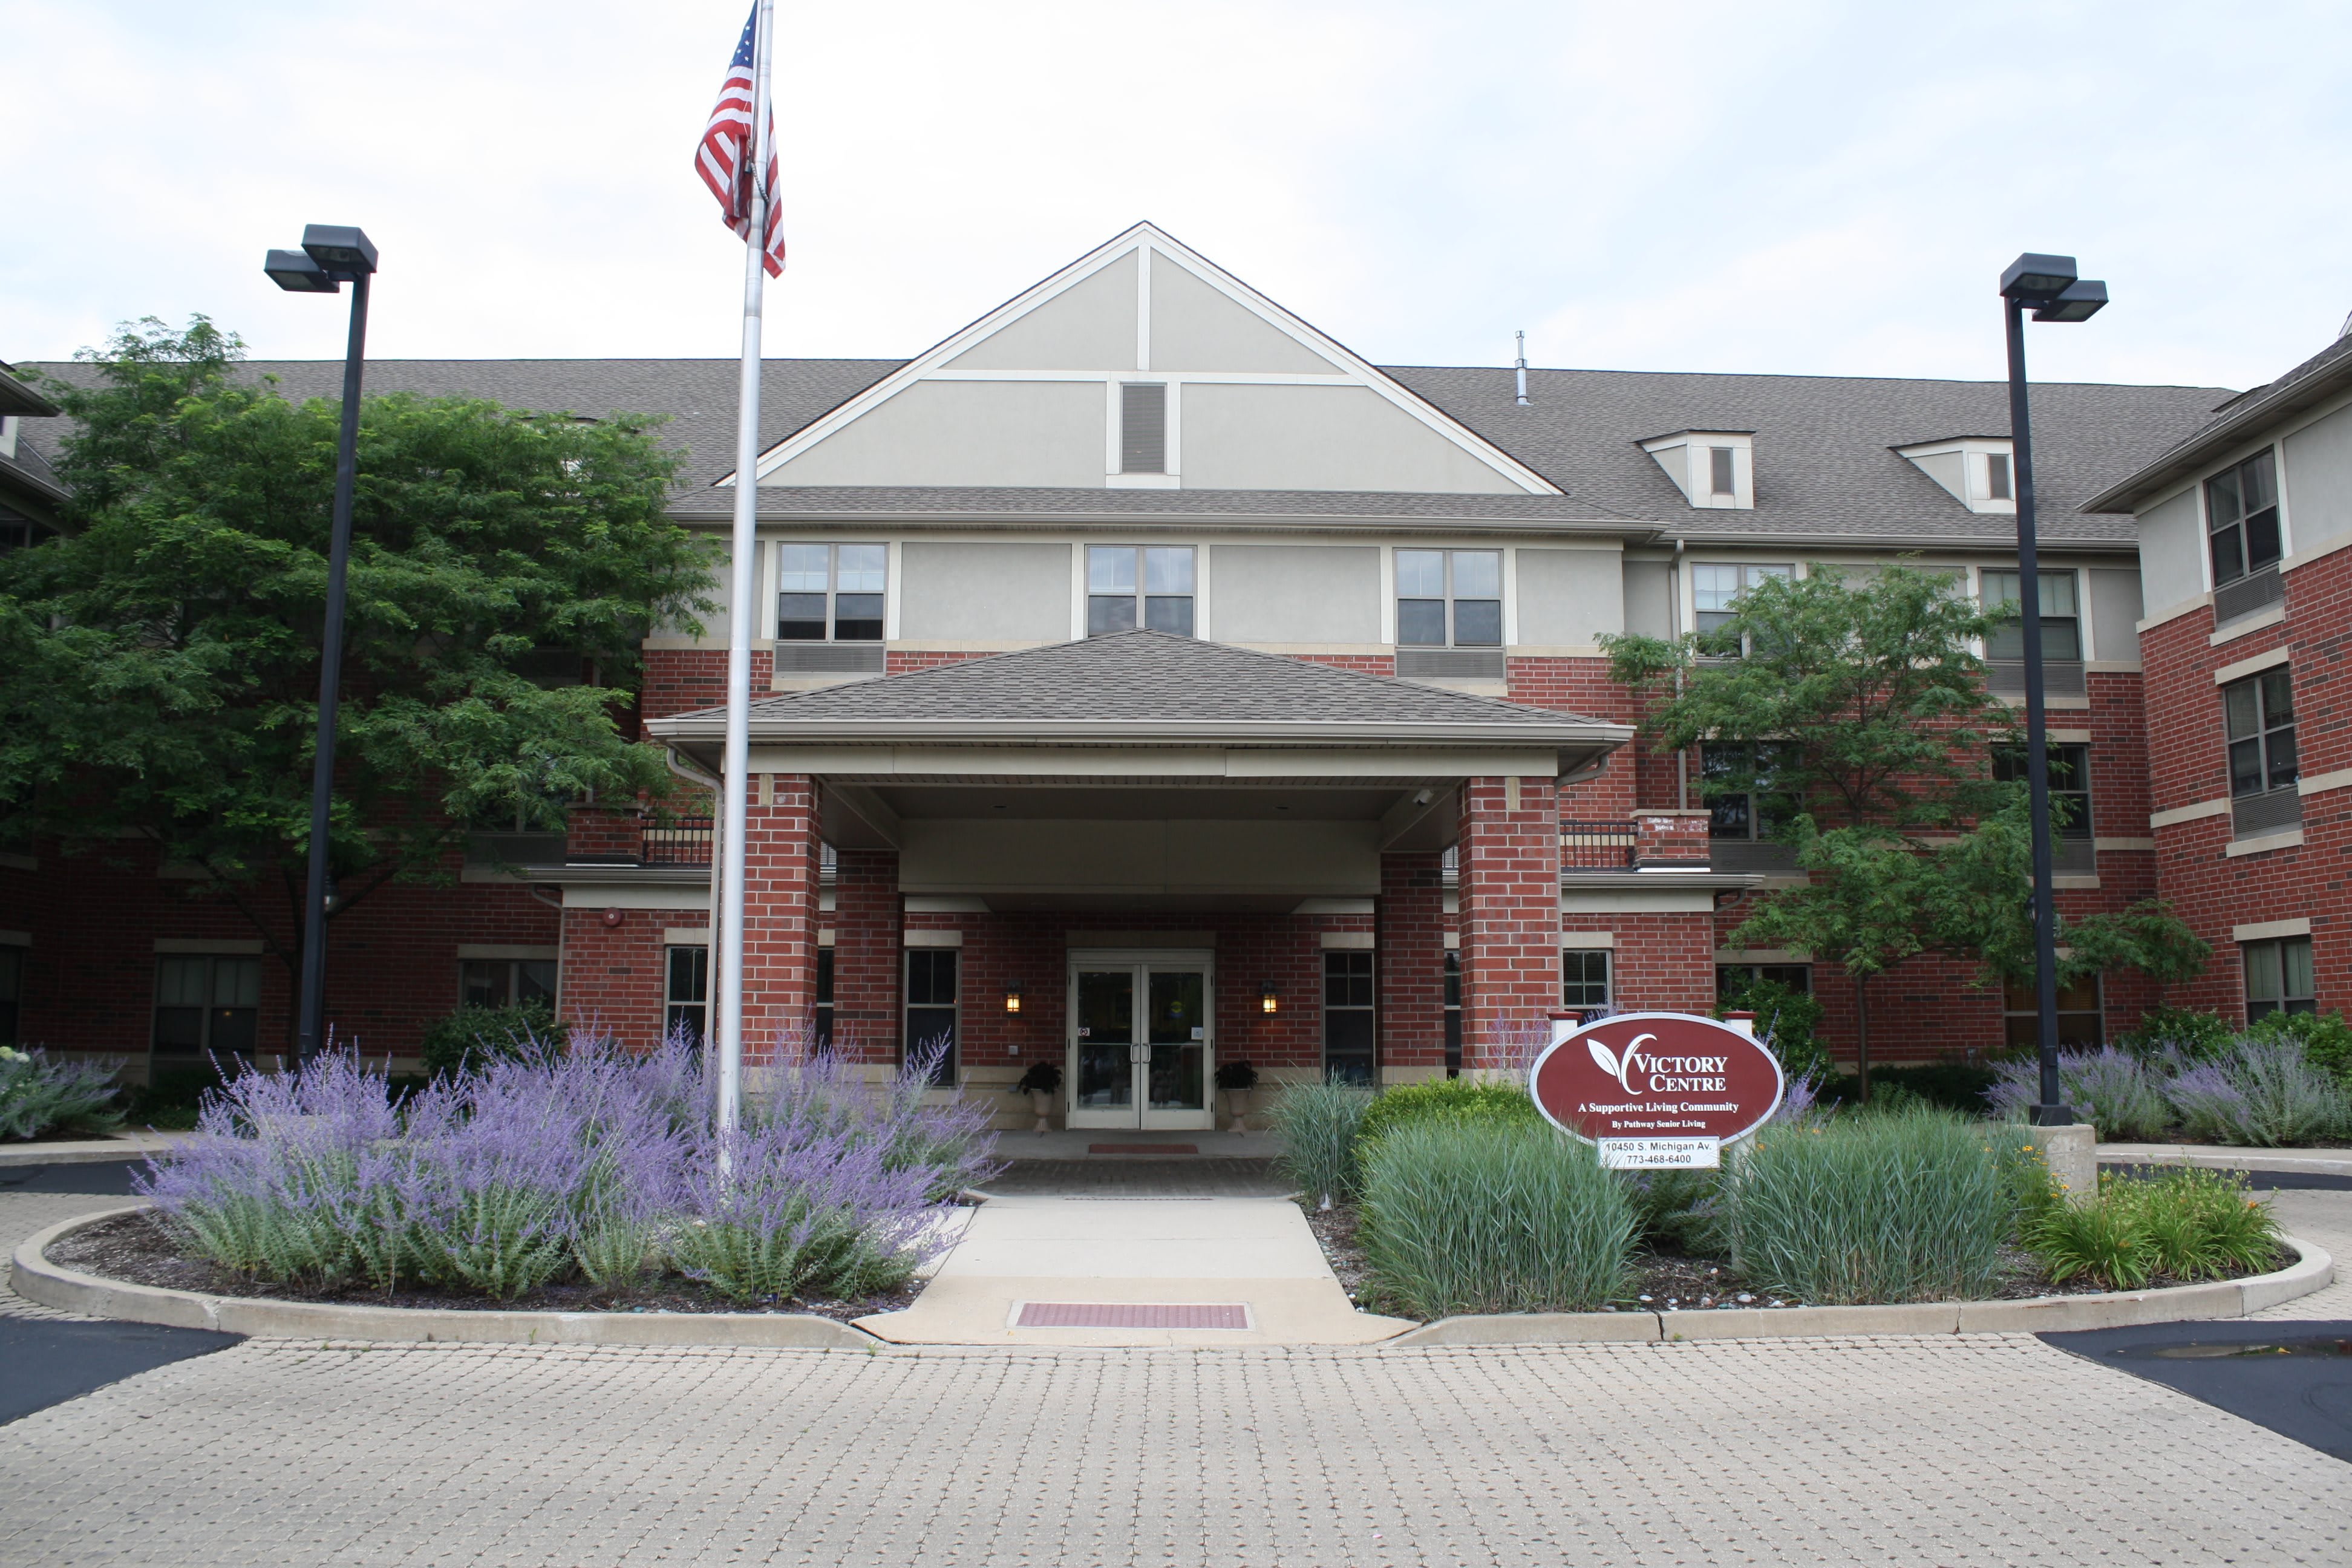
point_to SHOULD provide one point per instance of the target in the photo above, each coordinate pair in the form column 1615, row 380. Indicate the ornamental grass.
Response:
column 1904, row 1207
column 1492, row 1215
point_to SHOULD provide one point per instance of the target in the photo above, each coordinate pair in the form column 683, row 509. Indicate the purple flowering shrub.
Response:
column 578, row 1160
column 948, row 1138
column 2262, row 1090
column 2120, row 1094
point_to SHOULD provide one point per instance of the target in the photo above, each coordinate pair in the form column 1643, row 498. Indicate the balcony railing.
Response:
column 1597, row 846
column 681, row 841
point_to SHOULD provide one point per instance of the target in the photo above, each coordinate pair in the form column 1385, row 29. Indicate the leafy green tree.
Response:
column 1861, row 706
column 159, row 663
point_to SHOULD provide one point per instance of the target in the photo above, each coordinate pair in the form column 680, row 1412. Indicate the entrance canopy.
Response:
column 1145, row 770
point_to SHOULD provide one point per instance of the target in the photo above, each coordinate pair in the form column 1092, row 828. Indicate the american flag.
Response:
column 724, row 158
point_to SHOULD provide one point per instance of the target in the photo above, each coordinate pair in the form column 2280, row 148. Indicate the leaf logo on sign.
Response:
column 1609, row 1062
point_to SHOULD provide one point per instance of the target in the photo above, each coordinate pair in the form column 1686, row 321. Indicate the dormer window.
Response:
column 1975, row 470
column 1711, row 467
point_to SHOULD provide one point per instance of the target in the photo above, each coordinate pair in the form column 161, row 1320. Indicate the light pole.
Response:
column 330, row 256
column 2049, row 284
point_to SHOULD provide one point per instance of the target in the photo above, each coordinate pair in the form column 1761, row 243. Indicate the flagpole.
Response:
column 735, row 777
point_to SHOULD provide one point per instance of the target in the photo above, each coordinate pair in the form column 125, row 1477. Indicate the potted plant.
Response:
column 1234, row 1081
column 1039, row 1083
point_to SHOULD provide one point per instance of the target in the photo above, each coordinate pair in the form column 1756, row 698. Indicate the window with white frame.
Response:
column 2242, row 519
column 1131, row 585
column 831, row 593
column 1720, row 469
column 1449, row 598
column 1999, row 485
column 1716, row 589
column 686, row 994
column 2279, row 977
column 205, row 1003
column 2062, row 616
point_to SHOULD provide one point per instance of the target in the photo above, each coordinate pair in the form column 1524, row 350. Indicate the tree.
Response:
column 159, row 662
column 1860, row 709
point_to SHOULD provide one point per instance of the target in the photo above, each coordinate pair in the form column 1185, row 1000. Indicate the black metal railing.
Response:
column 681, row 841
column 1597, row 846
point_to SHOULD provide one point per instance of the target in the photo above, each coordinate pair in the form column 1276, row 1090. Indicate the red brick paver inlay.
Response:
column 1133, row 1315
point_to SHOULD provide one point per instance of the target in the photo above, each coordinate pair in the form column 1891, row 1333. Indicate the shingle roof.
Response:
column 2322, row 375
column 1823, row 467
column 1824, row 470
column 1147, row 684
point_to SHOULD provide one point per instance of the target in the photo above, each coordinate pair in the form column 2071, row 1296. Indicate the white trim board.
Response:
column 2263, row 930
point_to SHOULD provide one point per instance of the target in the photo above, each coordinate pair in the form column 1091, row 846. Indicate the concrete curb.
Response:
column 90, row 1151
column 2229, row 1157
column 36, row 1279
column 2313, row 1270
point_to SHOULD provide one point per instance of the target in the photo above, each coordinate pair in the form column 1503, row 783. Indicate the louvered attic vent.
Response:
column 1142, row 428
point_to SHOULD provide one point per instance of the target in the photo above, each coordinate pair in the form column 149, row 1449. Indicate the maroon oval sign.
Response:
column 1657, row 1076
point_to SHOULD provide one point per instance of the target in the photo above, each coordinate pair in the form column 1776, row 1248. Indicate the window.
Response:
column 2241, row 514
column 1129, row 585
column 1997, row 479
column 1718, row 470
column 2079, row 1021
column 1732, row 980
column 931, row 1007
column 1142, row 428
column 506, row 983
column 2278, row 977
column 11, row 992
column 823, row 1001
column 1742, row 787
column 2069, row 782
column 1584, row 977
column 1347, row 1032
column 830, row 593
column 1452, row 1013
column 1716, row 590
column 206, row 1004
column 1449, row 598
column 2259, row 713
column 2062, row 627
column 686, row 994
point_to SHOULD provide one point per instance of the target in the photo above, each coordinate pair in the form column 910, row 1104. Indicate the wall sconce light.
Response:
column 1013, row 998
column 1267, row 1002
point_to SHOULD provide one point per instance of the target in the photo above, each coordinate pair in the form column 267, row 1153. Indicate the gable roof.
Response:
column 1147, row 245
column 1144, row 687
column 2322, row 376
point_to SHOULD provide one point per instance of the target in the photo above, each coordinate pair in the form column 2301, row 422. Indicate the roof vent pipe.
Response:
column 1523, row 370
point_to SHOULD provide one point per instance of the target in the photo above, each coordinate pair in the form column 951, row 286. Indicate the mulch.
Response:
column 133, row 1248
column 1673, row 1282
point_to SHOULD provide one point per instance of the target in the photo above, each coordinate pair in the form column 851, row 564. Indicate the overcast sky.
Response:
column 1791, row 187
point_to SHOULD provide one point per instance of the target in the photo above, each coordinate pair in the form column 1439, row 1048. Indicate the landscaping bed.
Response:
column 133, row 1248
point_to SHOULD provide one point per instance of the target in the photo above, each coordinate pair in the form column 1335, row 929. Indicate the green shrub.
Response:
column 2178, row 1031
column 1451, row 1100
column 1952, row 1085
column 475, row 1036
column 1678, row 1209
column 41, row 1094
column 2187, row 1223
column 1493, row 1216
column 2325, row 1037
column 1892, row 1208
column 1318, row 1123
column 1786, row 1020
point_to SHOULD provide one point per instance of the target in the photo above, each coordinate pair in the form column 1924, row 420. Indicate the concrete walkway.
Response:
column 1070, row 1253
column 89, row 1151
column 2314, row 1161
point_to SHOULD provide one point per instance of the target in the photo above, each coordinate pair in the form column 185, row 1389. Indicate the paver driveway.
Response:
column 1929, row 1450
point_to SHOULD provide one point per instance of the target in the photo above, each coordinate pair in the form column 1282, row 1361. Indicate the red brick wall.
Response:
column 613, row 977
column 1509, row 913
column 901, row 661
column 1662, row 963
column 687, row 680
column 780, row 916
column 866, row 969
column 1412, row 963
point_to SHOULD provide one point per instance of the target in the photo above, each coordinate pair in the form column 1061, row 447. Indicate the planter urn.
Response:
column 1237, row 1107
column 1041, row 1103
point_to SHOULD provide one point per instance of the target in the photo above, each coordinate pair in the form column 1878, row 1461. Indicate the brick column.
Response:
column 1509, row 919
column 1671, row 839
column 780, row 915
column 1411, row 967
column 865, row 944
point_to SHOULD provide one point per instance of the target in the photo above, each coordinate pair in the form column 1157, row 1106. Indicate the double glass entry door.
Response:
column 1142, row 1043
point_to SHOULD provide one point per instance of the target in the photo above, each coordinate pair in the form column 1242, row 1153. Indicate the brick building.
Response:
column 1140, row 662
